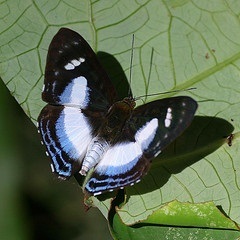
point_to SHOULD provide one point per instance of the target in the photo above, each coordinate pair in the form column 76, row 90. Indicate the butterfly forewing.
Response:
column 73, row 74
column 174, row 115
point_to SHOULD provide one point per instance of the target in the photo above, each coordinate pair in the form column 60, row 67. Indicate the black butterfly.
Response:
column 83, row 127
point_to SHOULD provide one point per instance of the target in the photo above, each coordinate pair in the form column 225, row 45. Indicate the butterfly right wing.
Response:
column 145, row 134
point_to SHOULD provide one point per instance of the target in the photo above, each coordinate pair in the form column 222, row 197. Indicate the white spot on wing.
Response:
column 69, row 66
column 61, row 177
column 52, row 168
column 157, row 153
column 74, row 63
column 168, row 118
column 81, row 59
column 97, row 193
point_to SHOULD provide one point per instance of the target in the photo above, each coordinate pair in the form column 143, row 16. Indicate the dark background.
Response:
column 34, row 204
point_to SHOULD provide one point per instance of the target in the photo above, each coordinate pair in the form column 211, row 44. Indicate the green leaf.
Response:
column 204, row 215
column 178, row 44
column 155, row 231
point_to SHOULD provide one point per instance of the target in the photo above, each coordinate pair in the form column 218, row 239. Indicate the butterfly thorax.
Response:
column 115, row 119
column 108, row 133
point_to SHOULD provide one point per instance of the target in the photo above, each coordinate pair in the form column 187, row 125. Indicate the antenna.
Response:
column 160, row 93
column 152, row 94
column 131, row 63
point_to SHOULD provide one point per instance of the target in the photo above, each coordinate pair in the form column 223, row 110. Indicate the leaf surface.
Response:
column 178, row 44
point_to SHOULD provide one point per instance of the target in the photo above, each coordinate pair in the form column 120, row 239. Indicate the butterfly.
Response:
column 84, row 127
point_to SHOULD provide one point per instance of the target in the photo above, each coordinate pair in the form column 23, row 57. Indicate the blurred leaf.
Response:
column 13, row 220
column 179, row 44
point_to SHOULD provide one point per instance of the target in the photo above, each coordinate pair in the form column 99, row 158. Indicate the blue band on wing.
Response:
column 62, row 167
column 66, row 133
column 76, row 93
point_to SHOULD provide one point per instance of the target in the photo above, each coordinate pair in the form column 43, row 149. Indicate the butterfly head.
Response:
column 130, row 101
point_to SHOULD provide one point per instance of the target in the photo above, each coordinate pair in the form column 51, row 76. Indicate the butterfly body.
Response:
column 115, row 119
column 95, row 151
column 84, row 128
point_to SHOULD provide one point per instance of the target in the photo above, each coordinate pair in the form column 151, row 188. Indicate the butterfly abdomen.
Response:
column 95, row 152
column 111, row 127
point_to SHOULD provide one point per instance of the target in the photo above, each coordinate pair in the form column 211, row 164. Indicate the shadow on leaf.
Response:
column 115, row 73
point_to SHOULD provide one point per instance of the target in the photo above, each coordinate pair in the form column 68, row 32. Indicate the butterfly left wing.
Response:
column 79, row 93
column 150, row 129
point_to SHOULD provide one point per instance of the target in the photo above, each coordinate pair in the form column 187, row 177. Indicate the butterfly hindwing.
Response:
column 151, row 127
column 124, row 163
column 66, row 133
